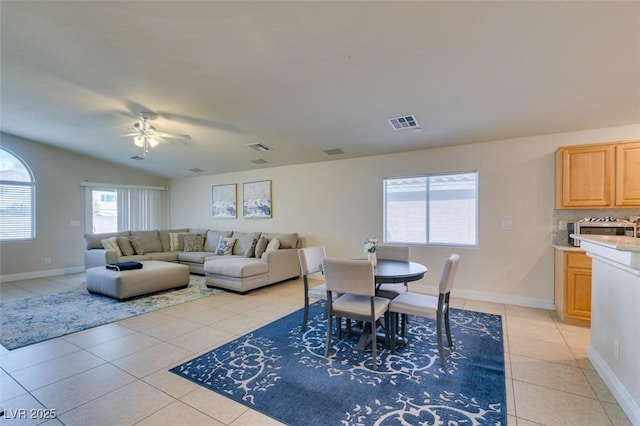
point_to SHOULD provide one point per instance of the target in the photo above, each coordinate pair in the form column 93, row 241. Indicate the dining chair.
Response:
column 310, row 263
column 392, row 252
column 427, row 306
column 353, row 282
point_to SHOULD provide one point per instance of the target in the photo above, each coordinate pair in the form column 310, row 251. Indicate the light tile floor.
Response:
column 117, row 374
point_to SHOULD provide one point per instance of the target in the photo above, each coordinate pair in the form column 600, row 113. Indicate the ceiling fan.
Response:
column 146, row 136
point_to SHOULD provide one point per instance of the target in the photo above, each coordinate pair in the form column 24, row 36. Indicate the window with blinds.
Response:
column 17, row 199
column 438, row 209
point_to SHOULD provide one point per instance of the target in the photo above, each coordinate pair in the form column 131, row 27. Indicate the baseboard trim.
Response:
column 628, row 405
column 41, row 274
column 498, row 298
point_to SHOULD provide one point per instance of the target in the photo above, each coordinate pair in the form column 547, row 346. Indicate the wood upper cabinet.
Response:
column 628, row 174
column 598, row 176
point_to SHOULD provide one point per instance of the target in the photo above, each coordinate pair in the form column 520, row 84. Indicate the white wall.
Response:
column 59, row 200
column 339, row 204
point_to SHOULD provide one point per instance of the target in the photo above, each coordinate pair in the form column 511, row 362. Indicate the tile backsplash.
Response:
column 571, row 215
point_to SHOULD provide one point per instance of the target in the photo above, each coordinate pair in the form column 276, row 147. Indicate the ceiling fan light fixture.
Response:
column 153, row 143
column 139, row 141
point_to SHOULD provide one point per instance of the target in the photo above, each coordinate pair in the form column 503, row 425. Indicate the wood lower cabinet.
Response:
column 573, row 286
column 598, row 176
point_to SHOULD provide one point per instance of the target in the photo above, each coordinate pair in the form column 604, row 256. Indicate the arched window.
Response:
column 17, row 198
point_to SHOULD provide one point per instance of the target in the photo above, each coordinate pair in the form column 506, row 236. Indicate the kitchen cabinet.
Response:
column 598, row 176
column 573, row 286
column 628, row 174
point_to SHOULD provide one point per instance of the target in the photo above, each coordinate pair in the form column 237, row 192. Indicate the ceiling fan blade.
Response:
column 172, row 135
column 130, row 134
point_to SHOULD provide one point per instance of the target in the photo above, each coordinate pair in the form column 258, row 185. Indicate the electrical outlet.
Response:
column 47, row 261
column 507, row 224
column 562, row 225
column 616, row 349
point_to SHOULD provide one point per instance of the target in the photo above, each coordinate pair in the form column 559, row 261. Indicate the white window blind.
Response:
column 439, row 209
column 17, row 199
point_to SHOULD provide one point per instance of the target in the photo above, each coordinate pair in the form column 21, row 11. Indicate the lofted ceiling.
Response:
column 310, row 76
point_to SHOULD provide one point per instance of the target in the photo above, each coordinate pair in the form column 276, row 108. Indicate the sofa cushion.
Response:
column 287, row 241
column 261, row 246
column 244, row 240
column 164, row 237
column 213, row 239
column 176, row 240
column 94, row 241
column 194, row 256
column 274, row 244
column 137, row 245
column 164, row 256
column 239, row 267
column 225, row 246
column 150, row 240
column 193, row 242
column 125, row 246
column 112, row 244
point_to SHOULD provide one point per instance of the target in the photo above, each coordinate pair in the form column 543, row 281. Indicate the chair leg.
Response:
column 439, row 324
column 374, row 341
column 327, row 347
column 446, row 324
column 305, row 315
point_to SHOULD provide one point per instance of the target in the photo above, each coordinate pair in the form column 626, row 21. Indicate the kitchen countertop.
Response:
column 613, row 242
column 567, row 247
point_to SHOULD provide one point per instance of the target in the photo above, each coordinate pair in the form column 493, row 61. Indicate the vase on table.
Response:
column 373, row 258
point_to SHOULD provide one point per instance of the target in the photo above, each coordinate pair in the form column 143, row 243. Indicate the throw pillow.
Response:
column 251, row 250
column 273, row 245
column 176, row 240
column 125, row 246
column 136, row 244
column 112, row 244
column 261, row 246
column 225, row 246
column 193, row 242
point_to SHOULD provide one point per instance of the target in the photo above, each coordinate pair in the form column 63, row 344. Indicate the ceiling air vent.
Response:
column 196, row 170
column 137, row 158
column 259, row 161
column 403, row 122
column 334, row 151
column 259, row 147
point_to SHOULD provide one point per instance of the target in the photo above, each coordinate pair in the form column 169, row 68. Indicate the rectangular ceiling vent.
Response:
column 403, row 122
column 334, row 151
column 137, row 158
column 259, row 161
column 196, row 170
column 259, row 147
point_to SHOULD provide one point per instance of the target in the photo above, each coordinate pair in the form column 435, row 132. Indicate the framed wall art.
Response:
column 256, row 202
column 224, row 201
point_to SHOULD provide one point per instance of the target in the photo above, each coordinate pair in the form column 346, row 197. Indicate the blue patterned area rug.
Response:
column 282, row 373
column 27, row 321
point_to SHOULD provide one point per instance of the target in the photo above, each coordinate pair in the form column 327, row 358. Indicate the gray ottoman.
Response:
column 154, row 276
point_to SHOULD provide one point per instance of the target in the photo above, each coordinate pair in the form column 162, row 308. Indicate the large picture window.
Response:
column 438, row 209
column 17, row 199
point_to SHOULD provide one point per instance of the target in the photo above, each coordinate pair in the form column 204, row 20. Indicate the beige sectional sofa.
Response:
column 252, row 259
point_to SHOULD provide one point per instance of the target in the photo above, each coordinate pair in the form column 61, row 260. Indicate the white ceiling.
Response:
column 303, row 77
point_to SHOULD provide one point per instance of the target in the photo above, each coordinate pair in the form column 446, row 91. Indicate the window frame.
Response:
column 32, row 185
column 427, row 243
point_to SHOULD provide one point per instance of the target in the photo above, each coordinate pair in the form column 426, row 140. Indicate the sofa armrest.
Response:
column 283, row 264
column 99, row 257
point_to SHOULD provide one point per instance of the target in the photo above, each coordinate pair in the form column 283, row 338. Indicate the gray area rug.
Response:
column 28, row 321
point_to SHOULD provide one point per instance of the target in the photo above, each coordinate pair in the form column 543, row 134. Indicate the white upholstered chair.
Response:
column 389, row 252
column 354, row 282
column 426, row 306
column 310, row 263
